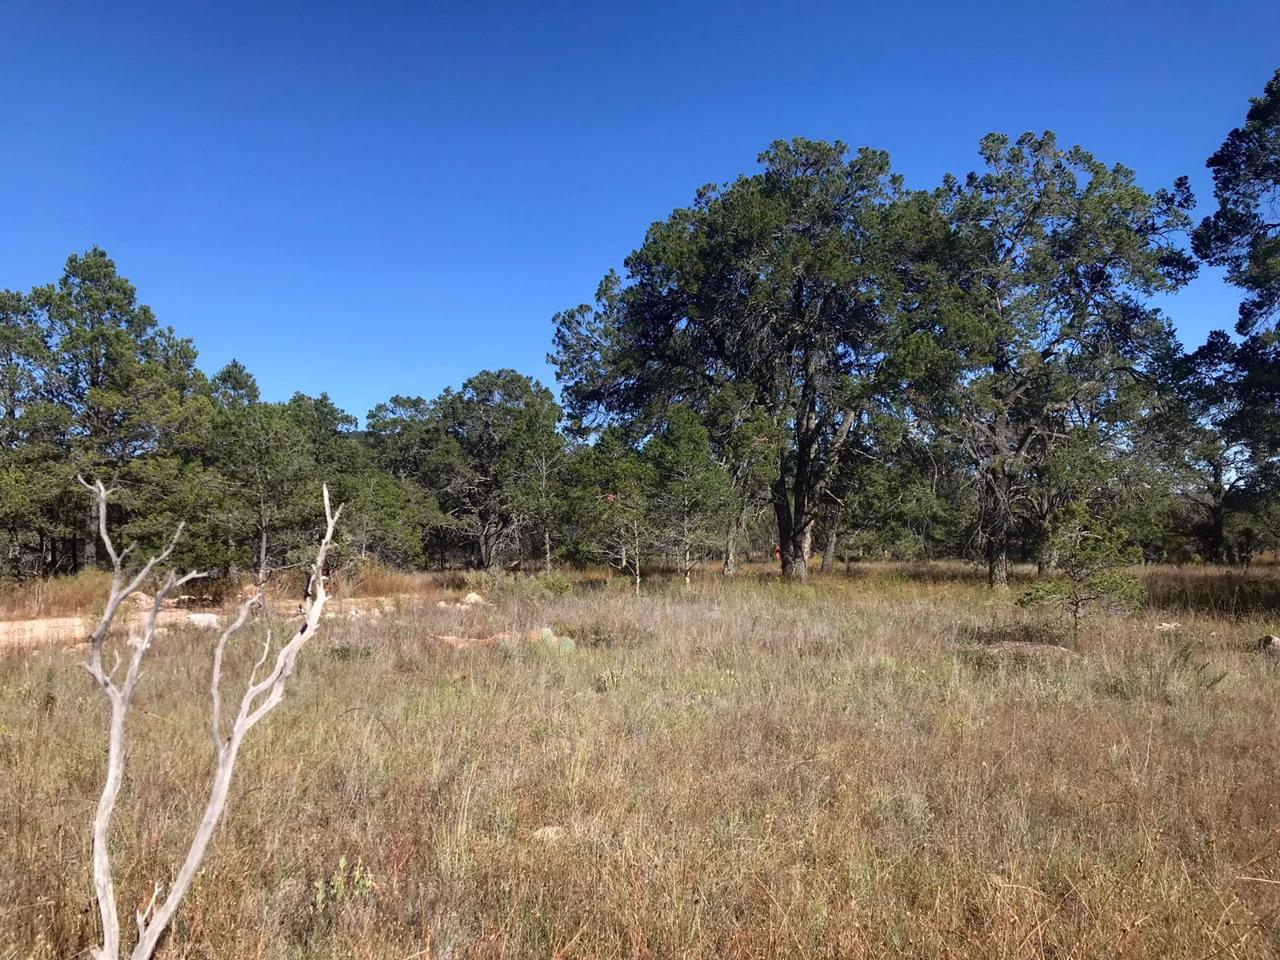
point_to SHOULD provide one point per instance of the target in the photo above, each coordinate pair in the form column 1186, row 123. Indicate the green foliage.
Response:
column 895, row 373
column 693, row 492
column 613, row 490
column 489, row 453
column 1092, row 558
column 1036, row 317
column 776, row 284
column 1243, row 234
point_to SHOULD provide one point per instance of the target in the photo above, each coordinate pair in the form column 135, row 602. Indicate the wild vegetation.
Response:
column 814, row 360
column 877, row 764
column 634, row 739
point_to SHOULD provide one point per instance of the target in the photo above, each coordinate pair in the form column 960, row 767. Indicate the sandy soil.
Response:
column 69, row 631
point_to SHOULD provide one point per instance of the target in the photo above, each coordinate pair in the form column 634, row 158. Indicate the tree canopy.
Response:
column 811, row 358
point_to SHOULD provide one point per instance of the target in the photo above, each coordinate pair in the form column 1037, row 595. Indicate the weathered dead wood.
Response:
column 260, row 697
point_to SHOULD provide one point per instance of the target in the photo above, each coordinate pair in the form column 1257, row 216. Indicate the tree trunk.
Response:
column 262, row 555
column 90, row 555
column 546, row 549
column 998, row 555
column 1218, row 531
column 833, row 537
column 998, row 522
column 1046, row 561
column 736, row 526
column 794, row 531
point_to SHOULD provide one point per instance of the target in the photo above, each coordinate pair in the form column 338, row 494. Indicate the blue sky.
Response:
column 377, row 198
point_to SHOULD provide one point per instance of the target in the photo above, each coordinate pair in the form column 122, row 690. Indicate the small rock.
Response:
column 140, row 600
column 205, row 621
column 1269, row 647
column 473, row 600
column 549, row 834
column 1167, row 627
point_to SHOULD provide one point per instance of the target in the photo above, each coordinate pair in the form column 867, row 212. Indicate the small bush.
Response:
column 344, row 652
column 1092, row 556
column 1166, row 677
column 556, row 583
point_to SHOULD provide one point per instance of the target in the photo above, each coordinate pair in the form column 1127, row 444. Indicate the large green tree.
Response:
column 128, row 387
column 1045, row 266
column 32, row 469
column 778, row 283
column 693, row 493
column 268, row 468
column 613, row 489
column 489, row 451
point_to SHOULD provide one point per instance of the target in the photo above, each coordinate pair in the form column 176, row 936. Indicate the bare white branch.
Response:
column 260, row 697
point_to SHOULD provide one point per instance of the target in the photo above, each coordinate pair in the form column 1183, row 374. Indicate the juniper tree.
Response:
column 692, row 492
column 778, row 283
column 1045, row 263
column 1092, row 557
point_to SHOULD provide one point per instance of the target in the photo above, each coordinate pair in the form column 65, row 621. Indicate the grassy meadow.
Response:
column 742, row 769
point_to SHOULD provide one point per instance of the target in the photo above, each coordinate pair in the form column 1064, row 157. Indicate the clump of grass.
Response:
column 78, row 596
column 1231, row 592
column 1168, row 676
column 371, row 579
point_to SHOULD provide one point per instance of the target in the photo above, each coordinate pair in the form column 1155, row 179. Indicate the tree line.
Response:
column 812, row 363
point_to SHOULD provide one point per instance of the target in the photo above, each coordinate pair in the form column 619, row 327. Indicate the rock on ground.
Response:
column 1269, row 647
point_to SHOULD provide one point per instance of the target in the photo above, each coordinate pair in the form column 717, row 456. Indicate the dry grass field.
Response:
column 744, row 769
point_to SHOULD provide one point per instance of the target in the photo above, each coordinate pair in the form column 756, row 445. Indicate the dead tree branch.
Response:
column 260, row 697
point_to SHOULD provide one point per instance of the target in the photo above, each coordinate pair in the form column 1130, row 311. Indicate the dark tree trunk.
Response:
column 791, row 535
column 262, row 555
column 731, row 550
column 997, row 525
column 1218, row 532
column 998, row 552
column 833, row 537
column 795, row 523
column 90, row 555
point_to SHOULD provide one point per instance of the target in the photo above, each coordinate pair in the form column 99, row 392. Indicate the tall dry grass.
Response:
column 81, row 595
column 740, row 770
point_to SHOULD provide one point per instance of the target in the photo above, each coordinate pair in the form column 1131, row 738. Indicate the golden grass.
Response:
column 81, row 595
column 741, row 770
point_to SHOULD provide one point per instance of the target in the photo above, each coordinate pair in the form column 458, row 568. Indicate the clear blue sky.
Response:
column 376, row 198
